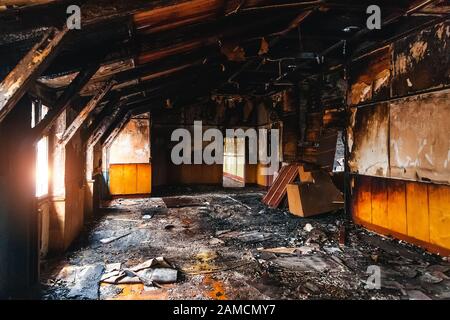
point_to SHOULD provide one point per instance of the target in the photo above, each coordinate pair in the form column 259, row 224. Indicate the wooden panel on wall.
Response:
column 439, row 206
column 115, row 179
column 362, row 203
column 144, row 179
column 130, row 179
column 370, row 77
column 417, row 206
column 416, row 212
column 379, row 202
column 427, row 50
column 396, row 206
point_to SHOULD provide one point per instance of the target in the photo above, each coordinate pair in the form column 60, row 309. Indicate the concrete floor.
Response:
column 215, row 240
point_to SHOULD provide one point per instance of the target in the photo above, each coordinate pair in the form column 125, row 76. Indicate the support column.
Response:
column 57, row 185
column 19, row 244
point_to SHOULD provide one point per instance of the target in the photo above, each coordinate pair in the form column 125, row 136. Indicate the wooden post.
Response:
column 19, row 245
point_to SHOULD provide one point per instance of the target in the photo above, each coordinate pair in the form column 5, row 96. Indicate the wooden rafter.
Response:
column 84, row 113
column 110, row 135
column 17, row 82
column 64, row 101
column 104, row 124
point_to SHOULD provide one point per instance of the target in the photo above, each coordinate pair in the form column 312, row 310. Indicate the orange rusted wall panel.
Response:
column 396, row 206
column 439, row 206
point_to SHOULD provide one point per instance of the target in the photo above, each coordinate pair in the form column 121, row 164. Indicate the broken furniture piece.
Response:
column 316, row 195
column 313, row 194
column 277, row 192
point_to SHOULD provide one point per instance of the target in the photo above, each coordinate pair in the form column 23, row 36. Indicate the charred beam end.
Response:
column 18, row 81
column 84, row 113
column 64, row 101
column 104, row 125
column 110, row 135
column 113, row 100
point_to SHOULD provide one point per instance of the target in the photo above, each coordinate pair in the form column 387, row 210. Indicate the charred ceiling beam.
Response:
column 43, row 93
column 413, row 7
column 64, row 101
column 104, row 124
column 111, row 104
column 84, row 113
column 18, row 81
column 116, row 126
column 293, row 25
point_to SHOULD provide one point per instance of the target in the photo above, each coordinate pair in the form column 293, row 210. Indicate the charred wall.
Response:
column 397, row 137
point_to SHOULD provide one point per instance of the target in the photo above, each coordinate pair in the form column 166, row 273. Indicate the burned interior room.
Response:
column 225, row 149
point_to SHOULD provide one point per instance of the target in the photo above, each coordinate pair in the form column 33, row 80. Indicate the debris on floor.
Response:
column 152, row 272
column 223, row 250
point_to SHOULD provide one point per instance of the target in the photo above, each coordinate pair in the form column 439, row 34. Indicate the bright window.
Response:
column 42, row 171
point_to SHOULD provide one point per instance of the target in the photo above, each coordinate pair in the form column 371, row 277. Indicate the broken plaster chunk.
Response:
column 87, row 283
column 156, row 262
column 112, row 239
column 408, row 81
column 159, row 275
column 215, row 241
column 417, row 295
column 308, row 227
column 431, row 278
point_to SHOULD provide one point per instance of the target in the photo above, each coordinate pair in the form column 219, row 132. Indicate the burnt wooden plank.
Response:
column 362, row 199
column 104, row 125
column 110, row 135
column 396, row 206
column 17, row 82
column 370, row 77
column 379, row 202
column 83, row 115
column 64, row 101
column 418, row 217
column 427, row 50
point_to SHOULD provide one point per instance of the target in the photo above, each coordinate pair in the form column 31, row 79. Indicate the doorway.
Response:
column 234, row 163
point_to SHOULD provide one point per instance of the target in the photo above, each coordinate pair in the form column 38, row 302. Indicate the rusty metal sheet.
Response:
column 368, row 135
column 419, row 137
column 422, row 60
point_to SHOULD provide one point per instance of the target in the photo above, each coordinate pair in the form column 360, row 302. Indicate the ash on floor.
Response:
column 226, row 244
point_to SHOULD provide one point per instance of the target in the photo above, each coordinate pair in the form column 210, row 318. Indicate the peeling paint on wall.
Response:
column 368, row 140
column 370, row 77
column 132, row 145
column 419, row 138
